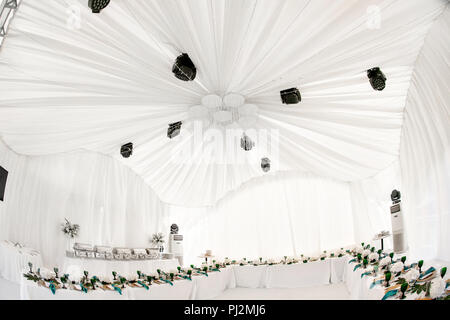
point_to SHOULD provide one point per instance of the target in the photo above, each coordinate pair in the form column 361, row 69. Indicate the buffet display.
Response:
column 83, row 250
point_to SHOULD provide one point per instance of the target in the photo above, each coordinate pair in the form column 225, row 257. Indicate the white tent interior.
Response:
column 75, row 86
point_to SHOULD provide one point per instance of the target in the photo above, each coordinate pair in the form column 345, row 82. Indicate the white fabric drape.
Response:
column 105, row 79
column 425, row 147
column 371, row 204
column 112, row 205
column 287, row 214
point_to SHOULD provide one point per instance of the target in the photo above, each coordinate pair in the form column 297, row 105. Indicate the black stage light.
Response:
column 395, row 196
column 377, row 78
column 174, row 129
column 98, row 5
column 290, row 96
column 3, row 178
column 126, row 150
column 183, row 68
column 246, row 143
column 265, row 164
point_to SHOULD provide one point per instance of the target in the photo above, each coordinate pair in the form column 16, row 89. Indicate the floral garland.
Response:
column 397, row 277
column 406, row 279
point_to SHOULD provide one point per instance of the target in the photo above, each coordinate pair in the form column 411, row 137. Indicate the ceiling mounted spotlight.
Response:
column 395, row 196
column 174, row 129
column 265, row 164
column 126, row 150
column 290, row 96
column 183, row 68
column 246, row 143
column 98, row 5
column 376, row 78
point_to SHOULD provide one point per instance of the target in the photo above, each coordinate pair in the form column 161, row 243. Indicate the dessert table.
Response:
column 122, row 267
column 14, row 259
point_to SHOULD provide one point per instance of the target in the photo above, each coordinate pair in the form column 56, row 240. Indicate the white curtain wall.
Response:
column 425, row 147
column 112, row 204
column 284, row 214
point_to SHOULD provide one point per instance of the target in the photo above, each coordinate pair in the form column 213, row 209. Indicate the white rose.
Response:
column 132, row 277
column 47, row 274
column 242, row 261
column 359, row 250
column 373, row 256
column 397, row 267
column 75, row 277
column 366, row 252
column 437, row 287
column 369, row 269
column 412, row 275
column 385, row 261
column 105, row 278
column 227, row 260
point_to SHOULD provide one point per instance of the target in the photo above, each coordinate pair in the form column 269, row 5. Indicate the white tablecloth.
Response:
column 250, row 276
column 213, row 285
column 125, row 268
column 298, row 275
column 338, row 269
column 13, row 260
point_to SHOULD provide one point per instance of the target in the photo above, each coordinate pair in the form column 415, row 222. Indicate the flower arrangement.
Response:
column 158, row 238
column 69, row 229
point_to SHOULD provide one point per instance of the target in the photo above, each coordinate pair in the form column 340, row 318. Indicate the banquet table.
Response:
column 213, row 285
column 14, row 259
column 298, row 275
column 122, row 267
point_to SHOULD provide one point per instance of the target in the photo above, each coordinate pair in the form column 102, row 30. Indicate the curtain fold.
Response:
column 425, row 147
column 112, row 205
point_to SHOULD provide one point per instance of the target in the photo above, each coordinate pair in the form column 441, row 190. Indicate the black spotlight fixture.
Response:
column 98, row 5
column 174, row 129
column 377, row 78
column 246, row 143
column 290, row 96
column 395, row 196
column 183, row 68
column 126, row 150
column 265, row 164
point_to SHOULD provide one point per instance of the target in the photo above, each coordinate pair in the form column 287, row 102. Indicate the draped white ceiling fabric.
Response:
column 105, row 80
column 425, row 147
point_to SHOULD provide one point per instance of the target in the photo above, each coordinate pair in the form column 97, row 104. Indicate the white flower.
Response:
column 289, row 260
column 373, row 256
column 271, row 261
column 227, row 260
column 385, row 261
column 105, row 278
column 359, row 250
column 75, row 277
column 412, row 275
column 437, row 287
column 397, row 267
column 242, row 261
column 366, row 253
column 132, row 277
column 339, row 252
column 47, row 274
column 369, row 269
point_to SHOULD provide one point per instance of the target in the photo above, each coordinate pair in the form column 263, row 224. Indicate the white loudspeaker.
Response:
column 176, row 246
column 398, row 231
